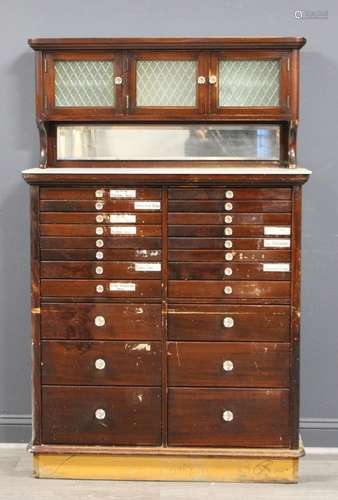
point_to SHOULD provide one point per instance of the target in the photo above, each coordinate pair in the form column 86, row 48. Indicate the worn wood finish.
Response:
column 105, row 254
column 89, row 206
column 97, row 231
column 234, row 206
column 92, row 218
column 206, row 193
column 68, row 194
column 218, row 231
column 219, row 243
column 87, row 288
column 139, row 243
column 228, row 256
column 198, row 218
column 237, row 289
column 226, row 271
column 108, row 270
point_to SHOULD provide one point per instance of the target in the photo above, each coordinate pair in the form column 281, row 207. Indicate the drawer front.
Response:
column 101, row 321
column 101, row 363
column 99, row 218
column 101, row 288
column 186, row 218
column 228, row 364
column 98, row 231
column 230, row 289
column 225, row 193
column 226, row 256
column 49, row 242
column 153, row 205
column 226, row 271
column 229, row 323
column 218, row 231
column 132, row 415
column 100, row 193
column 228, row 417
column 228, row 207
column 228, row 243
column 103, row 254
column 106, row 270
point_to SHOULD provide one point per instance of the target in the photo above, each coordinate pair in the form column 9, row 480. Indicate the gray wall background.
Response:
column 20, row 20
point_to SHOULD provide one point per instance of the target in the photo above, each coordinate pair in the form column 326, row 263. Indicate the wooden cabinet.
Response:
column 165, row 292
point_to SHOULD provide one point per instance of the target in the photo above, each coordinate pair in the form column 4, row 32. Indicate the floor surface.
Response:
column 318, row 473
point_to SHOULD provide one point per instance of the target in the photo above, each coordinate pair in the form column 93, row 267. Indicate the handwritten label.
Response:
column 277, row 230
column 146, row 267
column 276, row 268
column 147, row 205
column 123, row 230
column 276, row 243
column 122, row 218
column 122, row 287
column 122, row 193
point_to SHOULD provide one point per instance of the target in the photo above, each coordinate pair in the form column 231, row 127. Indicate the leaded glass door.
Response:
column 250, row 84
column 168, row 83
column 84, row 85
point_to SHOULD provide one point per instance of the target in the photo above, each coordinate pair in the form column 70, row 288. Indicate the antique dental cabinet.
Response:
column 165, row 247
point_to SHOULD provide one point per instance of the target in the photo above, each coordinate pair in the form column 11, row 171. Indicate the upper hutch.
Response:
column 166, row 258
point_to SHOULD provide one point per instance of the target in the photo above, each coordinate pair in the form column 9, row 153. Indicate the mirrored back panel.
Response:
column 168, row 142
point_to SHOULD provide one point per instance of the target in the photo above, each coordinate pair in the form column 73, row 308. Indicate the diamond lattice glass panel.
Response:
column 249, row 83
column 84, row 83
column 166, row 83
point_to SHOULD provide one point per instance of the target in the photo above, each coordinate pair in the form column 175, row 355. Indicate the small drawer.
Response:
column 228, row 243
column 101, row 288
column 230, row 289
column 101, row 415
column 99, row 218
column 101, row 270
column 231, row 231
column 100, row 230
column 100, row 193
column 228, row 256
column 100, row 206
column 101, row 363
column 229, row 193
column 101, row 254
column 250, row 418
column 228, row 206
column 228, row 364
column 229, row 323
column 100, row 242
column 186, row 218
column 101, row 321
column 228, row 270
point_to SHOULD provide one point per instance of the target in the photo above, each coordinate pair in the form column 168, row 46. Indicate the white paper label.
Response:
column 277, row 230
column 123, row 193
column 122, row 287
column 147, row 205
column 276, row 243
column 124, row 218
column 145, row 267
column 123, row 230
column 276, row 268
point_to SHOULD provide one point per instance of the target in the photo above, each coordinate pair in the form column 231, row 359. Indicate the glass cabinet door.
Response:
column 249, row 84
column 170, row 83
column 83, row 84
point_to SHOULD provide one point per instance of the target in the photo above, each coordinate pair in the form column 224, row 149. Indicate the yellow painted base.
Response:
column 167, row 468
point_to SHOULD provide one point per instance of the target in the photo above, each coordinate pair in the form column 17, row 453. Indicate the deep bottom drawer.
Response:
column 101, row 415
column 228, row 417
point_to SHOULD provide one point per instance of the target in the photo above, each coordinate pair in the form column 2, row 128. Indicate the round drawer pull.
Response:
column 100, row 364
column 100, row 414
column 228, row 244
column 228, row 231
column 99, row 205
column 99, row 193
column 228, row 206
column 118, row 80
column 229, row 194
column 99, row 255
column 99, row 243
column 99, row 320
column 228, row 322
column 99, row 289
column 228, row 416
column 99, row 270
column 228, row 219
column 228, row 290
column 228, row 366
column 201, row 80
column 99, row 219
column 229, row 256
column 228, row 271
column 99, row 231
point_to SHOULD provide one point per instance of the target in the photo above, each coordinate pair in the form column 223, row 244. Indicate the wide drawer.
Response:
column 226, row 193
column 226, row 271
column 100, row 288
column 101, row 321
column 100, row 243
column 100, row 254
column 99, row 218
column 228, row 364
column 228, row 207
column 218, row 231
column 230, row 289
column 101, row 415
column 223, row 255
column 101, row 363
column 100, row 193
column 100, row 206
column 237, row 219
column 106, row 270
column 228, row 243
column 99, row 231
column 228, row 417
column 228, row 322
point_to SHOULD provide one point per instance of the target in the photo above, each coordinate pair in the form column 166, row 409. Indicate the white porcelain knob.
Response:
column 100, row 364
column 228, row 231
column 99, row 320
column 99, row 218
column 228, row 366
column 99, row 205
column 228, row 271
column 99, row 270
column 229, row 256
column 228, row 206
column 99, row 231
column 228, row 219
column 228, row 290
column 229, row 194
column 99, row 193
column 99, row 289
column 99, row 255
column 99, row 243
column 228, row 244
column 228, row 416
column 100, row 414
column 228, row 322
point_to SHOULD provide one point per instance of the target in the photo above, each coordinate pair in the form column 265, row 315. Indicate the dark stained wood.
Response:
column 217, row 271
column 236, row 256
column 133, row 415
column 206, row 193
column 217, row 231
column 88, row 206
column 185, row 218
column 91, row 218
column 87, row 288
column 77, row 194
column 91, row 230
column 107, row 254
column 164, row 318
column 237, row 206
column 107, row 270
column 250, row 323
column 200, row 364
column 218, row 243
column 132, row 242
column 260, row 417
column 239, row 289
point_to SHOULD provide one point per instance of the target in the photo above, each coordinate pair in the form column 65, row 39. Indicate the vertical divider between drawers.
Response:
column 164, row 314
